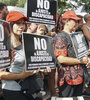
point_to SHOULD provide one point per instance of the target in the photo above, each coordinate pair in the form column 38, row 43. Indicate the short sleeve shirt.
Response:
column 73, row 74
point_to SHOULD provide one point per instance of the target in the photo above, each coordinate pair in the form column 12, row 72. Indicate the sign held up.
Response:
column 4, row 43
column 79, row 44
column 42, row 11
column 39, row 52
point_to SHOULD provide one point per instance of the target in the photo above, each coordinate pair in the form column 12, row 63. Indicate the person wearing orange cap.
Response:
column 70, row 78
column 11, row 88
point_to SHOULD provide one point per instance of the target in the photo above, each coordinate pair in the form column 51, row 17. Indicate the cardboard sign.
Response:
column 79, row 44
column 69, row 98
column 42, row 11
column 39, row 52
column 4, row 44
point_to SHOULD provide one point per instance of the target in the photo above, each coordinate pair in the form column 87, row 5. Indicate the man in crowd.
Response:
column 3, row 11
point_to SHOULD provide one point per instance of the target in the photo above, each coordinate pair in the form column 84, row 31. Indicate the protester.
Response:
column 42, row 29
column 86, row 28
column 48, row 78
column 3, row 11
column 79, row 24
column 11, row 88
column 71, row 70
column 39, row 29
column 32, row 27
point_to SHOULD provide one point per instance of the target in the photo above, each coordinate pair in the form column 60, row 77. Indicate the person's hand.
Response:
column 48, row 69
column 84, row 60
column 26, row 74
column 53, row 34
column 2, row 72
column 56, row 90
column 88, row 63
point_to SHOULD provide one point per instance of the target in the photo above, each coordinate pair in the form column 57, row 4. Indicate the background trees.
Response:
column 85, row 3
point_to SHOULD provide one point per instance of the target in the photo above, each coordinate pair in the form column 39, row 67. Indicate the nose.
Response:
column 22, row 25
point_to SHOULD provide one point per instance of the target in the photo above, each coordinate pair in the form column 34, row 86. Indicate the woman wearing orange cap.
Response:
column 71, row 73
column 11, row 88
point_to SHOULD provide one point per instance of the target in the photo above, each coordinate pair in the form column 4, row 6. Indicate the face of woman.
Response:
column 19, row 27
column 41, row 29
column 88, row 19
column 31, row 28
column 72, row 25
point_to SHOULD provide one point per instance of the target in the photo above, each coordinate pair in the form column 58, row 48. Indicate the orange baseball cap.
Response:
column 70, row 14
column 15, row 16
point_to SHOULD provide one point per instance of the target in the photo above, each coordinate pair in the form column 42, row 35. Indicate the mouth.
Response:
column 20, row 30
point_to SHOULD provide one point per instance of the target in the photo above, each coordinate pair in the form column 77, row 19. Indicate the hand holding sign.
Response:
column 88, row 63
column 25, row 74
column 48, row 69
column 84, row 60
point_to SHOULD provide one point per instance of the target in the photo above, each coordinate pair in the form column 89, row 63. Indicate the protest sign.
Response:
column 69, row 98
column 39, row 52
column 79, row 44
column 42, row 11
column 4, row 44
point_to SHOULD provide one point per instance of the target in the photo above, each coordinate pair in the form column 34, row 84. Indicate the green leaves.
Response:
column 19, row 3
column 10, row 2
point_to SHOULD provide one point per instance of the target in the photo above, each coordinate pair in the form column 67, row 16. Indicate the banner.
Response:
column 79, row 44
column 4, row 44
column 70, row 98
column 42, row 11
column 39, row 52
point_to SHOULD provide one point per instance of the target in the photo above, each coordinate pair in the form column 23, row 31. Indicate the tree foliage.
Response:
column 21, row 3
column 64, row 4
column 84, row 3
column 10, row 2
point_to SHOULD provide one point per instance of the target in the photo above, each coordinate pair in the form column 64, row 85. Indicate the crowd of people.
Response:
column 67, row 79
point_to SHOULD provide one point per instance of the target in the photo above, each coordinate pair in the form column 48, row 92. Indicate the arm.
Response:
column 61, row 53
column 12, row 76
column 71, row 61
column 86, row 32
column 88, row 64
